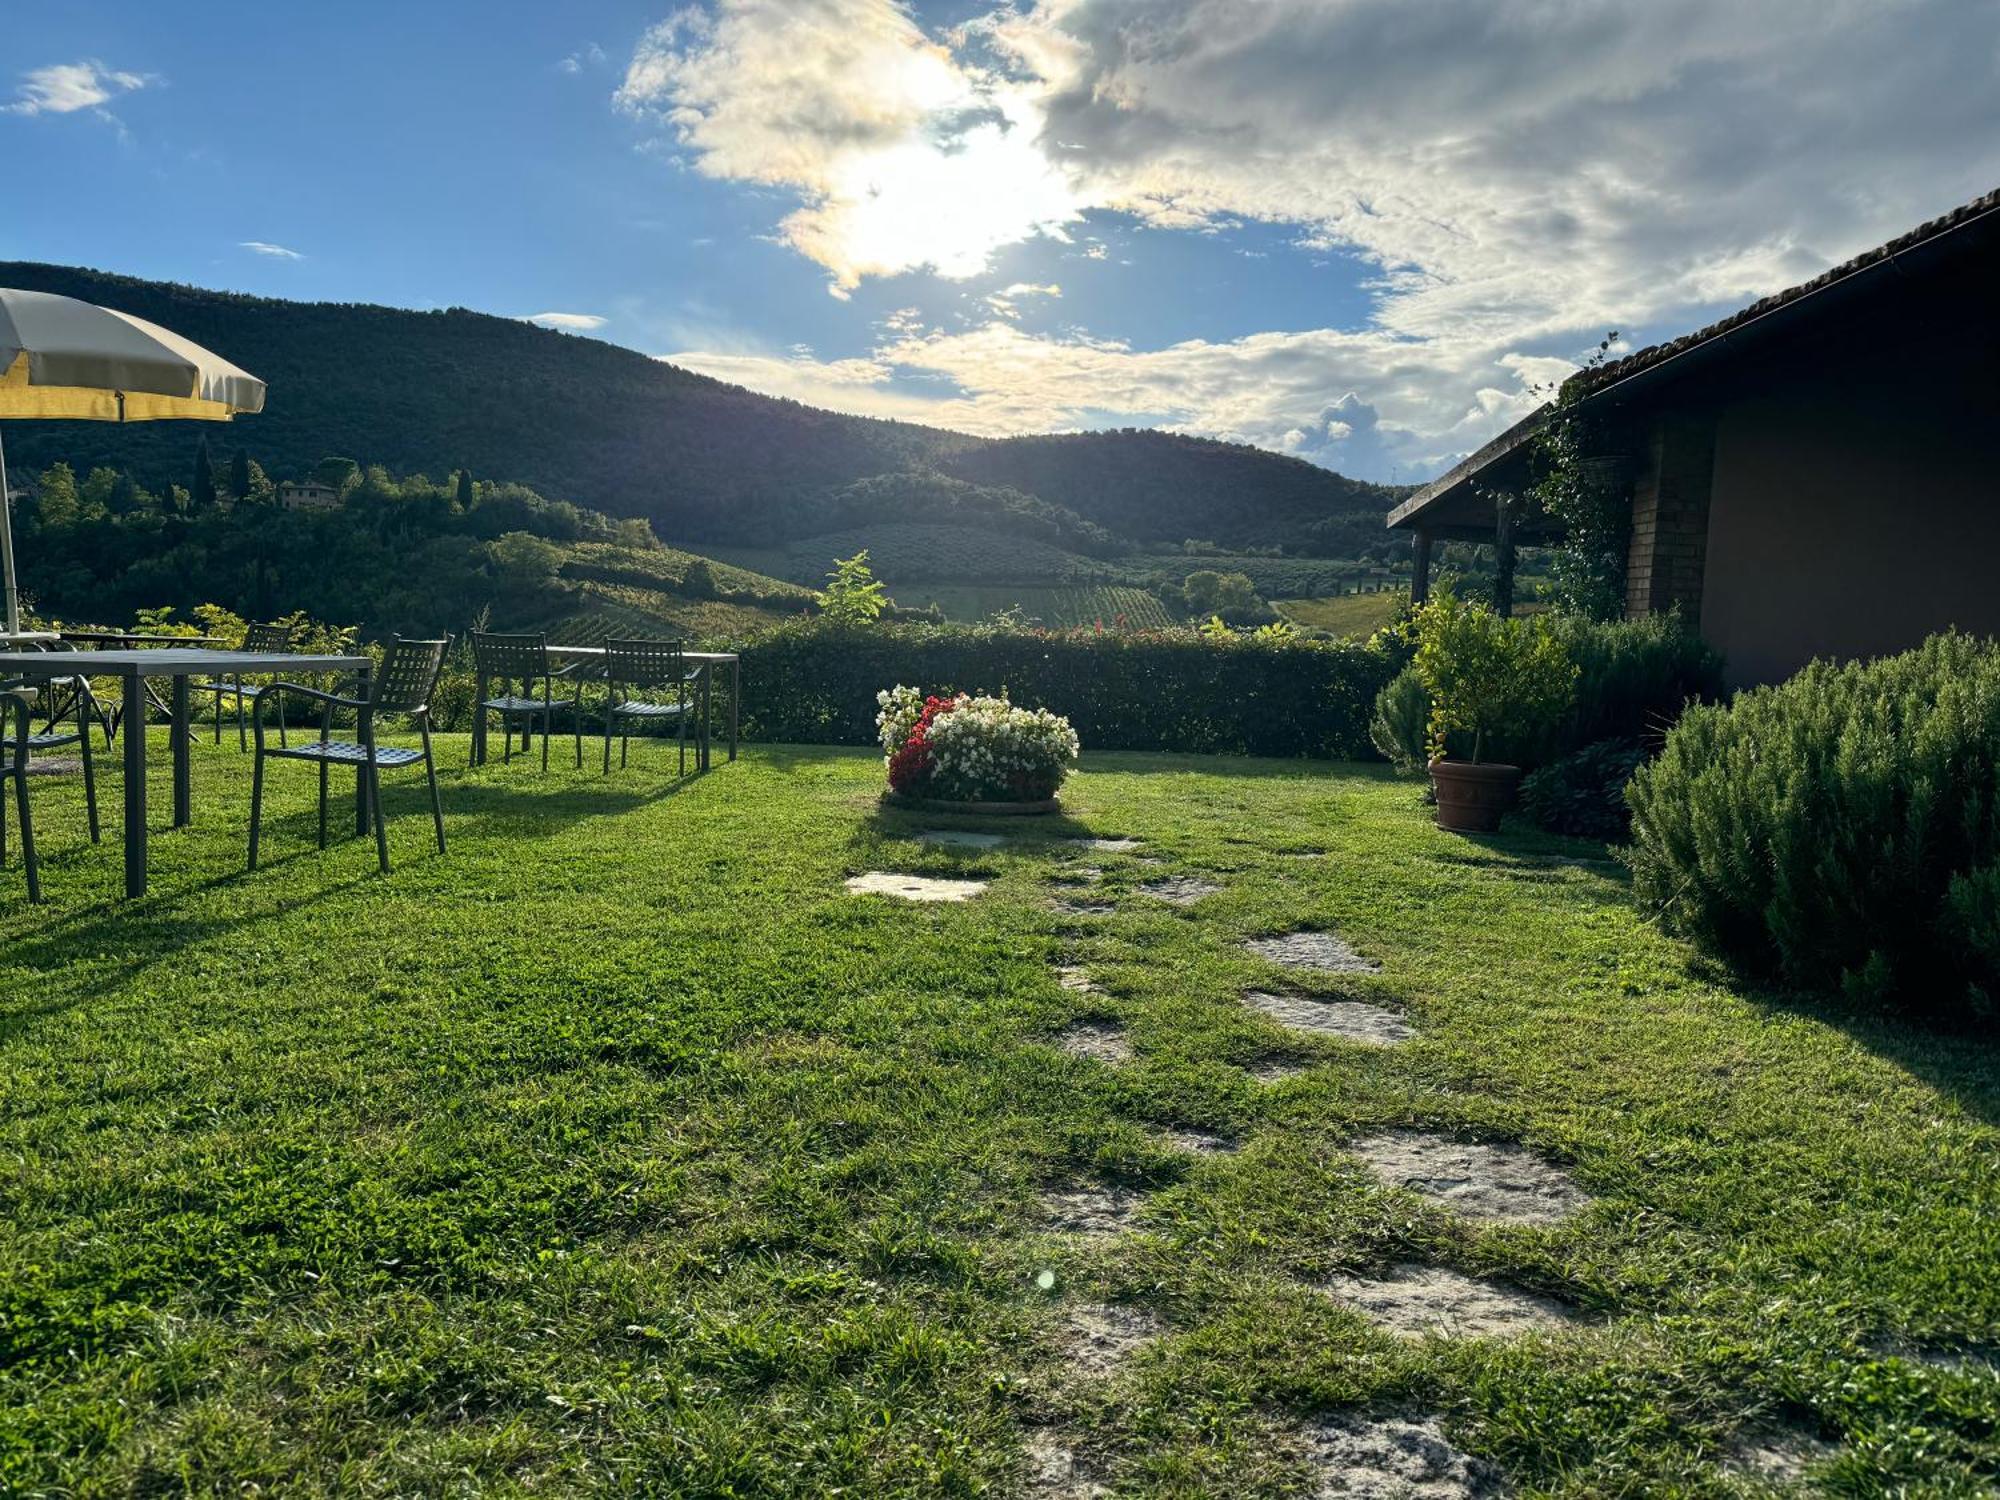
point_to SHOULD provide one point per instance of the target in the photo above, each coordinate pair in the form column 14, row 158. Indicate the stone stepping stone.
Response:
column 961, row 838
column 1098, row 1338
column 1105, row 846
column 1100, row 1041
column 1312, row 950
column 1052, row 1470
column 1406, row 1457
column 1417, row 1300
column 1179, row 890
column 1199, row 1142
column 1077, row 980
column 914, row 887
column 1082, row 908
column 1351, row 1020
column 1278, row 1069
column 1501, row 1183
column 1093, row 1210
column 1778, row 1455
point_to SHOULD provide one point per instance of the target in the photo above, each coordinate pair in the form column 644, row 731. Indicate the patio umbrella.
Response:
column 61, row 359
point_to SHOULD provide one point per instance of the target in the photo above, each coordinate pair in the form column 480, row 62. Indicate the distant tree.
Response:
column 698, row 582
column 852, row 594
column 202, row 490
column 97, row 487
column 126, row 496
column 239, row 474
column 56, row 500
column 464, row 495
column 524, row 561
column 637, row 532
column 340, row 474
column 175, row 501
column 1207, row 591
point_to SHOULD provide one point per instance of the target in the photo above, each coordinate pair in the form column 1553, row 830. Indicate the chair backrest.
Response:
column 509, row 656
column 644, row 664
column 408, row 672
column 266, row 640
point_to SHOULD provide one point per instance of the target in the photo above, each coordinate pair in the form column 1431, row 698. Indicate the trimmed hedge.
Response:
column 1839, row 830
column 815, row 681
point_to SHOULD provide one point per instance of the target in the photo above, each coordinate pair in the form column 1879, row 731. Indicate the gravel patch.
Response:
column 961, row 838
column 1179, row 890
column 1105, row 846
column 1101, row 1041
column 1095, row 1209
column 1393, row 1458
column 1352, row 1020
column 1502, row 1183
column 1097, row 1338
column 1312, row 950
column 1418, row 1300
column 55, row 765
column 914, row 887
column 1077, row 980
column 1051, row 1470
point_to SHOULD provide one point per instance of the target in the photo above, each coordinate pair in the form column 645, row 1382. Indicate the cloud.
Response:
column 64, row 88
column 582, row 322
column 591, row 56
column 275, row 252
column 1514, row 176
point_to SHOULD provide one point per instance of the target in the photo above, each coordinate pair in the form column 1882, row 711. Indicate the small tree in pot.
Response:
column 1490, row 681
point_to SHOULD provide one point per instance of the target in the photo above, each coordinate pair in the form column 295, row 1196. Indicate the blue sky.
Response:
column 1348, row 229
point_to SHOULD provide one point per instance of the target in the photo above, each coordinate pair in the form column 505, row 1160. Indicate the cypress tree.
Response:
column 239, row 474
column 465, row 489
column 202, row 491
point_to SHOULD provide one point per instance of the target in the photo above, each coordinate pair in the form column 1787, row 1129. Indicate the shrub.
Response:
column 1400, row 729
column 1488, row 677
column 816, row 680
column 1842, row 828
column 1583, row 795
column 967, row 749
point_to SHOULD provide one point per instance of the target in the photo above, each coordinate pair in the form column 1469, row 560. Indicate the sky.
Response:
column 1366, row 232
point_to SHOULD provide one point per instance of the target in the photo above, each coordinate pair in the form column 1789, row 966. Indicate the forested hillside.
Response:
column 615, row 430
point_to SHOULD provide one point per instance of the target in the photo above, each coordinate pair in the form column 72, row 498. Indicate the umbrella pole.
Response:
column 7, row 549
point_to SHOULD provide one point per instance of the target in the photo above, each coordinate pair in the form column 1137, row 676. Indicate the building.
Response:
column 308, row 494
column 1817, row 475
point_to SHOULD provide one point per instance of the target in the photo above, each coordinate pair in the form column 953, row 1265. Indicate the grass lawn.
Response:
column 1359, row 615
column 623, row 1151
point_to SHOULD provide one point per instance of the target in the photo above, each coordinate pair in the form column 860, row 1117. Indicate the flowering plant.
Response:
column 966, row 749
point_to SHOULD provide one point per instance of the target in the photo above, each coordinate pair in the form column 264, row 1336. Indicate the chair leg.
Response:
column 576, row 727
column 472, row 751
column 242, row 727
column 282, row 741
column 322, row 804
column 381, row 826
column 257, row 807
column 218, row 718
column 607, row 740
column 437, row 804
column 507, row 737
column 27, row 834
column 548, row 724
column 681, row 733
column 89, row 772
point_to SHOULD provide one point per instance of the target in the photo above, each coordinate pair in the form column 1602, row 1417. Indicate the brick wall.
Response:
column 1670, row 517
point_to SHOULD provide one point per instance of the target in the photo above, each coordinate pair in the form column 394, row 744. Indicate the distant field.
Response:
column 905, row 551
column 1344, row 614
column 1273, row 577
column 1111, row 605
column 664, row 568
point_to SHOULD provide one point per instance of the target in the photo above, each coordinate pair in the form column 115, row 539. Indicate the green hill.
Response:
column 705, row 462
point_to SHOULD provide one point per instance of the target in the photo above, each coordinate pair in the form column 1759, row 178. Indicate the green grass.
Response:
column 1346, row 614
column 621, row 1151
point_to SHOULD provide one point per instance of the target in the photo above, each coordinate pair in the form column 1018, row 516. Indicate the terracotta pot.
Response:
column 1472, row 796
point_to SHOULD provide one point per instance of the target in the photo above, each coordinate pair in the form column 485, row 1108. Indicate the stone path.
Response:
column 1101, row 1041
column 1418, row 1300
column 914, row 887
column 1277, row 1069
column 1105, row 846
column 961, row 838
column 1077, row 980
column 1180, row 890
column 1501, row 1183
column 1358, row 1457
column 1312, row 950
column 1353, row 1020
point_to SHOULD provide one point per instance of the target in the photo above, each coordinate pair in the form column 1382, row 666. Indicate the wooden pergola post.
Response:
column 1420, row 571
column 1503, row 553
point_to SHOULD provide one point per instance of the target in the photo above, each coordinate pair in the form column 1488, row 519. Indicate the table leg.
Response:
column 364, row 688
column 478, row 719
column 735, row 701
column 133, row 698
column 182, row 737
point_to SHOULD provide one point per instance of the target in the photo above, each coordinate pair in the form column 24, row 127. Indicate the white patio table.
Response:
column 132, row 669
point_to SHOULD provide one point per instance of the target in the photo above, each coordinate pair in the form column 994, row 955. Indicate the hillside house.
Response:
column 308, row 494
column 1816, row 475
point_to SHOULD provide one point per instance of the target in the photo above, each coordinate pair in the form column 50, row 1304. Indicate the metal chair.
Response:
column 16, row 752
column 507, row 658
column 59, row 695
column 647, row 664
column 265, row 640
column 403, row 684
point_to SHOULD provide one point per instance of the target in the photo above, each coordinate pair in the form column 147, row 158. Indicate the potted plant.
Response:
column 1490, row 681
column 965, row 754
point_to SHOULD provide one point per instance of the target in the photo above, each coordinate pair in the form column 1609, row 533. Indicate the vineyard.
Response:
column 905, row 551
column 1113, row 606
column 1272, row 577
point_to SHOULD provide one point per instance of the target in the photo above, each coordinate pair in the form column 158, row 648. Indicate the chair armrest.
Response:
column 315, row 694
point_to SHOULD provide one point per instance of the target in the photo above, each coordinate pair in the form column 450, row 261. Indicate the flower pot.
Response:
column 1034, row 808
column 1472, row 795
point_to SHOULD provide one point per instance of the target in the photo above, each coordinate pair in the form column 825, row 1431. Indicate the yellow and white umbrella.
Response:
column 61, row 359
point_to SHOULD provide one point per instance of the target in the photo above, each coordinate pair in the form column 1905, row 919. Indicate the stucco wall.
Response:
column 1854, row 511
